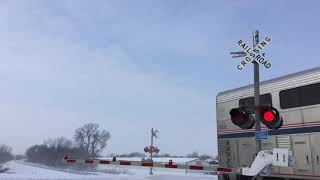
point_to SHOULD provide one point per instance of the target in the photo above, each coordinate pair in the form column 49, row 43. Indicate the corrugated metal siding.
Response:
column 284, row 142
column 300, row 79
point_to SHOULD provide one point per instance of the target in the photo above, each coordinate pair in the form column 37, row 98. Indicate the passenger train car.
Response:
column 297, row 97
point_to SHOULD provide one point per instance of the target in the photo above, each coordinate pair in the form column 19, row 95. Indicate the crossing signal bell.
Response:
column 269, row 116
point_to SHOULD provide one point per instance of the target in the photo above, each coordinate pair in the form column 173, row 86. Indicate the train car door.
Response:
column 302, row 153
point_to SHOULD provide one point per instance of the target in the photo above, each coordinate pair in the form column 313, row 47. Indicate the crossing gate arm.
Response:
column 170, row 165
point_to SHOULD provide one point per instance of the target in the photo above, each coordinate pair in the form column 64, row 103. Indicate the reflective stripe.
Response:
column 88, row 161
column 220, row 169
column 71, row 161
column 280, row 131
column 104, row 162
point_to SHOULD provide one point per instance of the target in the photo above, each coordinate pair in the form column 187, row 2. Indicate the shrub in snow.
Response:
column 3, row 169
column 5, row 153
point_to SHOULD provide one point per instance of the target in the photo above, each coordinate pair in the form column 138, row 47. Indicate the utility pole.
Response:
column 257, row 92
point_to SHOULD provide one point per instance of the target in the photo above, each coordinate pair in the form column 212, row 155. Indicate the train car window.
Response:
column 249, row 101
column 266, row 99
column 301, row 96
column 310, row 94
column 246, row 101
column 289, row 98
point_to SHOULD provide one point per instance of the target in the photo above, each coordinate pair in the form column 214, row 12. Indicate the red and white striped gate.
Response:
column 147, row 163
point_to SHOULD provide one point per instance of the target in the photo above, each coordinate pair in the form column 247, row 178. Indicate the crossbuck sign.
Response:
column 254, row 54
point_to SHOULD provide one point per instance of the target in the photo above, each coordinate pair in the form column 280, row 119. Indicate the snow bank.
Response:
column 20, row 171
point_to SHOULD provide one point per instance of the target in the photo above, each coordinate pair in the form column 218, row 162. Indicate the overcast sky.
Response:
column 133, row 65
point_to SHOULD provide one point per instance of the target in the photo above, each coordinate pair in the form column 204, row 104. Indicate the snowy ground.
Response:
column 19, row 170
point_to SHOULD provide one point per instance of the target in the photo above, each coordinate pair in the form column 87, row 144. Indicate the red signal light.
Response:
column 270, row 117
column 242, row 118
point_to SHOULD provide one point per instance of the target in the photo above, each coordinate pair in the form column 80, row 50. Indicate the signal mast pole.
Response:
column 152, row 134
column 152, row 148
column 256, row 84
column 256, row 92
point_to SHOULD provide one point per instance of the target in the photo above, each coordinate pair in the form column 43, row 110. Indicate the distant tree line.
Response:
column 167, row 155
column 88, row 142
column 133, row 154
column 5, row 153
column 52, row 151
column 202, row 157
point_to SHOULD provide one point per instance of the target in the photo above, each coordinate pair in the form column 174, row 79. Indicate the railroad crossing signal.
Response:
column 243, row 118
column 151, row 149
column 251, row 54
column 254, row 55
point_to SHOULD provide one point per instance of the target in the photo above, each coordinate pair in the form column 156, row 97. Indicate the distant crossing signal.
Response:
column 270, row 117
column 242, row 118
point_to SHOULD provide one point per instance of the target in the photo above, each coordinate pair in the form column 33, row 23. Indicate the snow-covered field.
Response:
column 19, row 170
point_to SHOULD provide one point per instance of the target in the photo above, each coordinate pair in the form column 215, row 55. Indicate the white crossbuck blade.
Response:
column 253, row 53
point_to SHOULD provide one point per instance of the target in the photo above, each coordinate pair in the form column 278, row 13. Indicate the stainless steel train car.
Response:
column 297, row 97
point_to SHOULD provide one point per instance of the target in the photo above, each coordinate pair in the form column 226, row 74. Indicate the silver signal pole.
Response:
column 151, row 173
column 257, row 92
column 256, row 85
column 153, row 134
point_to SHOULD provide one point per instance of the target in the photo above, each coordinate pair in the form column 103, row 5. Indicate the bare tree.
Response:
column 91, row 139
column 58, row 143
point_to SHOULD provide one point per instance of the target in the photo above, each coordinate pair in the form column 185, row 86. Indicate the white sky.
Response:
column 131, row 66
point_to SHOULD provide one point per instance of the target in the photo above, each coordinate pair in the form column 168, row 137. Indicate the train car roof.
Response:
column 270, row 81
